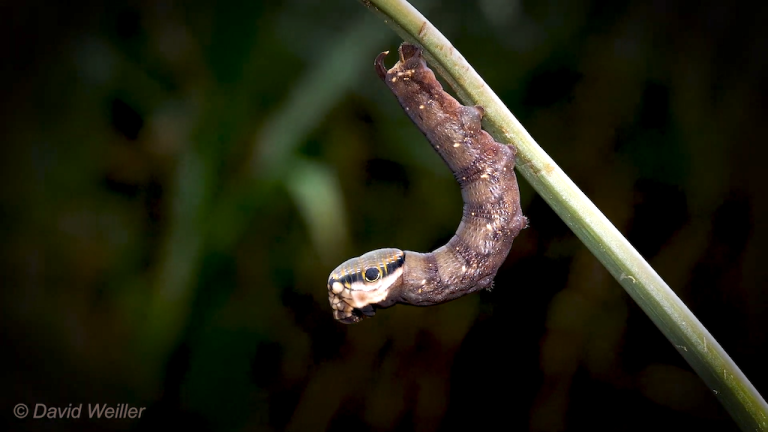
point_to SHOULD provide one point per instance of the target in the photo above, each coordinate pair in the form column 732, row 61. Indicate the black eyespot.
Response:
column 371, row 274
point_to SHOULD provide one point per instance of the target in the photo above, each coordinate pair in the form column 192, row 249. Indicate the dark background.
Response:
column 179, row 179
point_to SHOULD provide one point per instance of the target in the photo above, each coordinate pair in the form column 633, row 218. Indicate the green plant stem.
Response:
column 643, row 284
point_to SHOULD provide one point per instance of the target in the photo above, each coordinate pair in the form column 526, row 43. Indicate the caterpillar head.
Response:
column 360, row 284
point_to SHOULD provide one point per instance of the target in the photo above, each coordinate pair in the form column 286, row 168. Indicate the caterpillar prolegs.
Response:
column 491, row 219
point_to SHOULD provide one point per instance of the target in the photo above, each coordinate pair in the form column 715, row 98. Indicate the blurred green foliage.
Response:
column 180, row 178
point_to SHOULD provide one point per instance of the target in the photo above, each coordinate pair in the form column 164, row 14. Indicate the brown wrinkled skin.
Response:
column 485, row 171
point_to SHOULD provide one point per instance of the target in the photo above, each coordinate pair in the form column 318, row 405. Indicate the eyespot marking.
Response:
column 372, row 274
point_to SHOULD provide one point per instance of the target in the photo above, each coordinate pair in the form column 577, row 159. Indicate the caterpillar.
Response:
column 491, row 220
